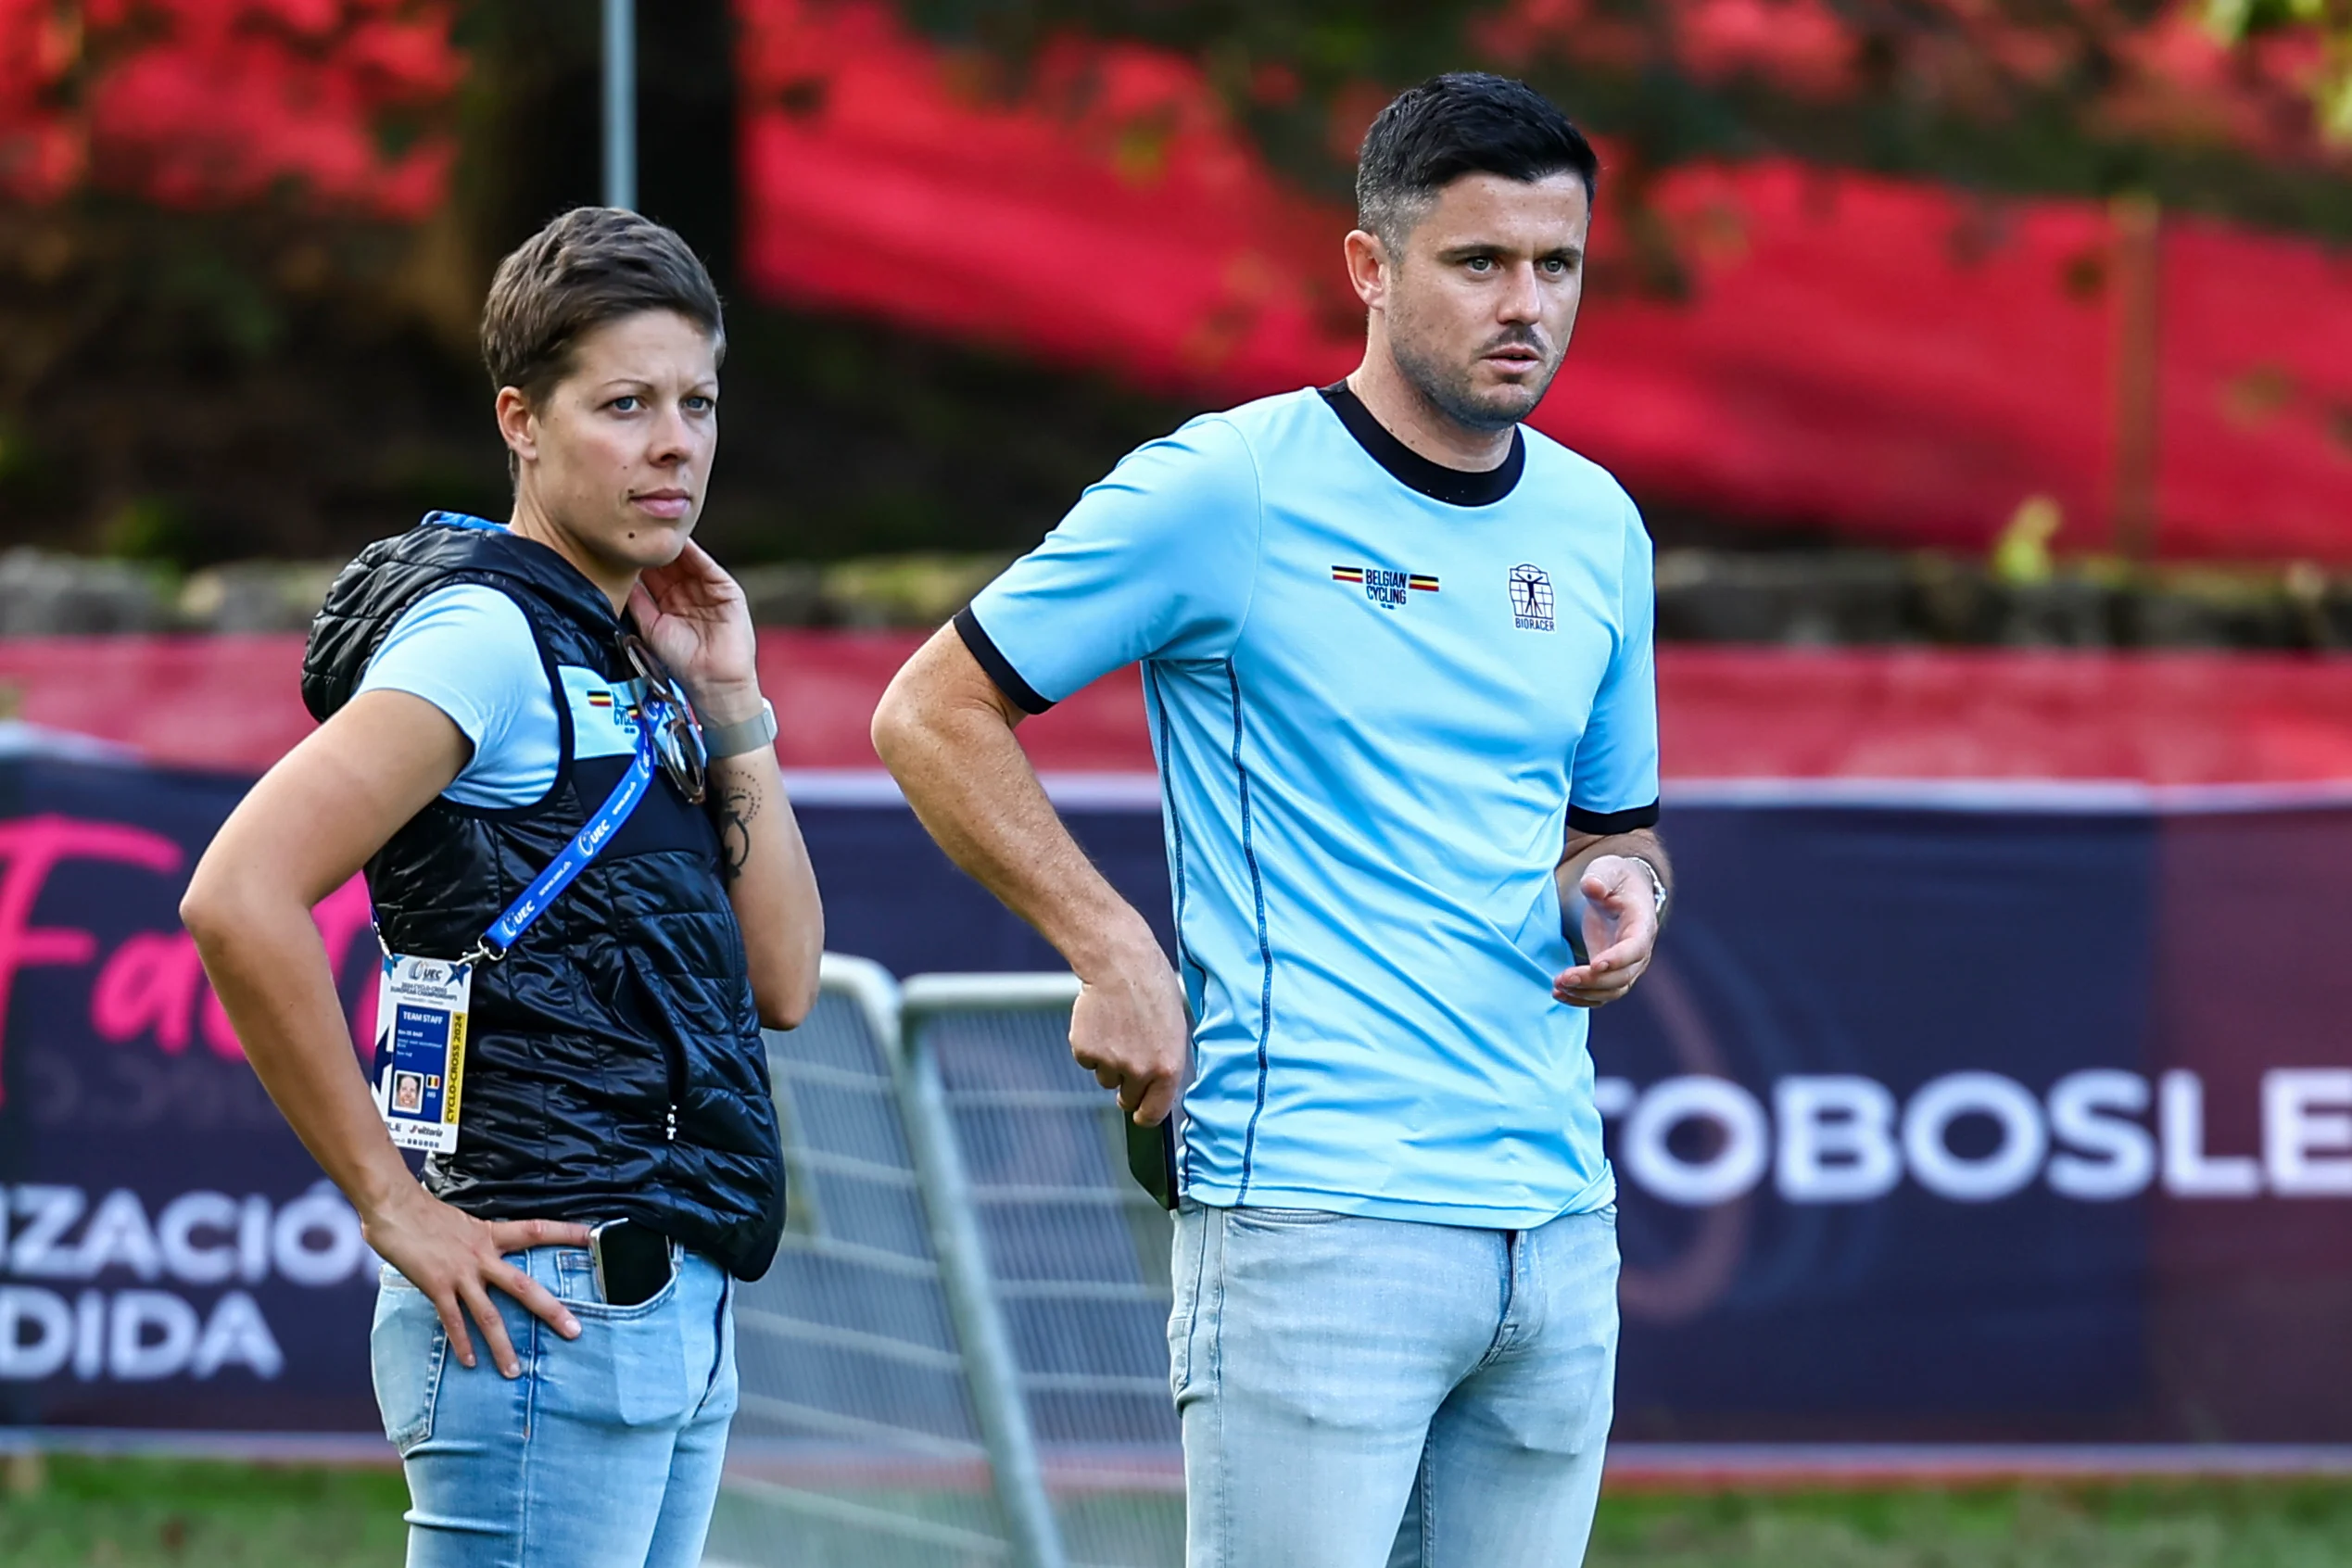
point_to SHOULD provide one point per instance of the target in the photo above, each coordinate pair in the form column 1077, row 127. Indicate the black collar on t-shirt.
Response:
column 1453, row 486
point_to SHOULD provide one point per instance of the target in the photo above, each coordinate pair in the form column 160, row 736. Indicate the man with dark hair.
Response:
column 1397, row 664
column 589, row 903
column 1460, row 124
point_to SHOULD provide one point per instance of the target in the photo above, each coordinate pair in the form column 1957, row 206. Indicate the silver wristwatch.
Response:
column 750, row 735
column 1657, row 883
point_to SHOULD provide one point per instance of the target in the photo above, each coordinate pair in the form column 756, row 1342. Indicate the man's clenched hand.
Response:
column 1129, row 1031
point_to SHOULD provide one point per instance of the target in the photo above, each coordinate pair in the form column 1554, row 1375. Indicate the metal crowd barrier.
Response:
column 1076, row 1253
column 959, row 1356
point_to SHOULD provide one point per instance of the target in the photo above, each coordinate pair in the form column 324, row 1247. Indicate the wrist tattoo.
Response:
column 737, row 805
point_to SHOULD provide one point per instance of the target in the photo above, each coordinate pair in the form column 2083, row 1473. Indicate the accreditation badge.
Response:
column 420, row 1049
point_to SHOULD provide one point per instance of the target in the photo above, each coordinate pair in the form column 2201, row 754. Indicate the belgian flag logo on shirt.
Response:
column 620, row 704
column 1385, row 587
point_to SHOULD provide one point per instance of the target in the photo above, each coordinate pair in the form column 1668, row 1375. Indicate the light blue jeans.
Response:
column 1358, row 1392
column 605, row 1453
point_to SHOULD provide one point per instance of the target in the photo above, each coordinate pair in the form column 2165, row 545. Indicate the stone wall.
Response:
column 1824, row 599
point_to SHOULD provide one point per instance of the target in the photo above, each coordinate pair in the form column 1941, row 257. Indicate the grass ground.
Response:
column 2147, row 1525
column 78, row 1512
column 149, row 1513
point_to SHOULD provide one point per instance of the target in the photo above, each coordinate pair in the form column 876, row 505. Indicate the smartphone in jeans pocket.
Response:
column 632, row 1262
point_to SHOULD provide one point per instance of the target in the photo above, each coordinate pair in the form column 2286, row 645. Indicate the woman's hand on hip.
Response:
column 456, row 1260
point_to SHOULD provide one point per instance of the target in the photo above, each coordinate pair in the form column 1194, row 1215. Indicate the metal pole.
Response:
column 990, row 1366
column 2136, row 222
column 620, row 103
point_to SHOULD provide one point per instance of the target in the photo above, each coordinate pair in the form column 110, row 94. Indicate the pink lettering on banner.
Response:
column 30, row 848
column 149, row 986
column 154, row 984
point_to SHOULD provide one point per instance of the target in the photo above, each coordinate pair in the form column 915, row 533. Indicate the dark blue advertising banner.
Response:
column 2015, row 1124
column 172, row 1255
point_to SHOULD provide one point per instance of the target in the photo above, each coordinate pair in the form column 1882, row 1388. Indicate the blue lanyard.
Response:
column 548, row 885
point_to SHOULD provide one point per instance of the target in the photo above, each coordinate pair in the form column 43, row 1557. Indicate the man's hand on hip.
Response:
column 1129, row 1031
column 1620, row 928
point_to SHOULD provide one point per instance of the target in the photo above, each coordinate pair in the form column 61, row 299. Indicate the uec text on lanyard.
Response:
column 421, row 1003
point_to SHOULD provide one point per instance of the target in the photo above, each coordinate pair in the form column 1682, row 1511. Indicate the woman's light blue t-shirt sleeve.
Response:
column 1155, row 561
column 1615, row 771
column 468, row 651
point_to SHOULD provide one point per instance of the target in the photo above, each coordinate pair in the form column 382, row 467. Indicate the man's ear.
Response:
column 1368, row 267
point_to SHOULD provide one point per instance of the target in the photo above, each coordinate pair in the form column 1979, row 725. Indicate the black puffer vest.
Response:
column 615, row 1067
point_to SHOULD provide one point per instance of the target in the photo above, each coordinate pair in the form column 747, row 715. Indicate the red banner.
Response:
column 2164, row 719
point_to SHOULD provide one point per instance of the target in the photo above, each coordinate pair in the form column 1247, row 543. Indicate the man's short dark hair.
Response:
column 593, row 265
column 1462, row 123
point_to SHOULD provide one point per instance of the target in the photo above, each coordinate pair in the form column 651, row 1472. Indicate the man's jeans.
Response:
column 605, row 1453
column 1357, row 1393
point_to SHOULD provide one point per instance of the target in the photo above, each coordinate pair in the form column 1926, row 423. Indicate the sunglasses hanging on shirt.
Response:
column 677, row 735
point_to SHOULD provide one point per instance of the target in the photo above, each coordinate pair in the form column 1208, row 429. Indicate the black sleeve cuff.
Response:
column 1600, row 824
column 1000, row 669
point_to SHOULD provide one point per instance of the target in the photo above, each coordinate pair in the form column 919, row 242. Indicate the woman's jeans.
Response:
column 1360, row 1392
column 605, row 1453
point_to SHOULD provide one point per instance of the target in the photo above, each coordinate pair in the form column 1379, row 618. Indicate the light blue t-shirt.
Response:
column 1377, row 713
column 468, row 649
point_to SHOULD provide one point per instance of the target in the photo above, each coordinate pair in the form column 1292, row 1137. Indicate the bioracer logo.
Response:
column 1531, row 599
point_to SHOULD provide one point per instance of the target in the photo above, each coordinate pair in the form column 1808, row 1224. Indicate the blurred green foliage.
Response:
column 317, row 405
column 191, row 386
column 2008, row 98
column 2238, row 21
column 842, row 437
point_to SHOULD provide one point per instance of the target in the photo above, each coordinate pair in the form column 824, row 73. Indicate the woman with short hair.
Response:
column 545, row 742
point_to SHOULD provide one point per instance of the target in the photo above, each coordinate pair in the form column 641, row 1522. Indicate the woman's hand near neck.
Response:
column 697, row 621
